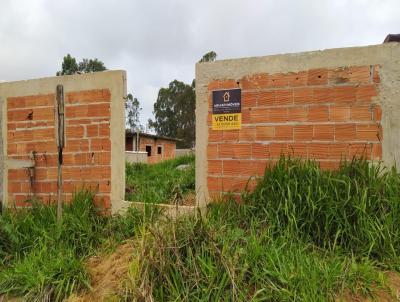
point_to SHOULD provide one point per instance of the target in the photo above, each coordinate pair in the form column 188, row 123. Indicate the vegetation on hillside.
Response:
column 161, row 182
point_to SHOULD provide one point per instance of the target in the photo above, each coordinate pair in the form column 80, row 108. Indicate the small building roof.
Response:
column 392, row 38
column 129, row 133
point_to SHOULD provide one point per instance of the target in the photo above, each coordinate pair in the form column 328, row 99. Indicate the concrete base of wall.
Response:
column 167, row 210
column 136, row 157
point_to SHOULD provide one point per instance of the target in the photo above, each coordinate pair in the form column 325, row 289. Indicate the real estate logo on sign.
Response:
column 227, row 109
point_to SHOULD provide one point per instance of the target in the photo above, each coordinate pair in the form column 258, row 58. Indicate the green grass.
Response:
column 356, row 208
column 44, row 261
column 161, row 182
column 302, row 235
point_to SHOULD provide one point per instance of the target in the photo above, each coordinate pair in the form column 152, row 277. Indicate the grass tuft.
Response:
column 160, row 182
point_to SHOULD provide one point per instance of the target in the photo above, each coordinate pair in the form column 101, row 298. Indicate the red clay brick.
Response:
column 376, row 78
column 212, row 151
column 230, row 135
column 255, row 81
column 297, row 79
column 344, row 94
column 284, row 97
column 215, row 167
column 92, row 130
column 377, row 151
column 30, row 101
column 14, row 187
column 318, row 114
column 266, row 98
column 319, row 151
column 222, row 84
column 298, row 150
column 247, row 134
column 317, row 76
column 360, row 150
column 100, row 144
column 234, row 184
column 377, row 113
column 214, row 135
column 104, row 130
column 265, row 132
column 260, row 115
column 249, row 98
column 324, row 132
column 279, row 80
column 361, row 113
column 247, row 168
column 303, row 95
column 214, row 183
column 368, row 132
column 297, row 114
column 303, row 132
column 345, row 132
column 88, row 96
column 323, row 94
column 339, row 113
column 231, row 167
column 278, row 149
column 260, row 150
column 74, row 131
column 34, row 114
column 366, row 93
column 234, row 150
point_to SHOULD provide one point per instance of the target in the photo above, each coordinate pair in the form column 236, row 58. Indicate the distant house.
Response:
column 157, row 147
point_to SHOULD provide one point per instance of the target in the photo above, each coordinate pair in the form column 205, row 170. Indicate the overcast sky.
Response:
column 159, row 41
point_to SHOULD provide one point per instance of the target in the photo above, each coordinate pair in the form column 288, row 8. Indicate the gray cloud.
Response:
column 158, row 41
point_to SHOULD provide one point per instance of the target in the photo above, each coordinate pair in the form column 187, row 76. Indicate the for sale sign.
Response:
column 227, row 109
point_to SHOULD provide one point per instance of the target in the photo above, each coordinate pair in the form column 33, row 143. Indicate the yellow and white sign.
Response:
column 227, row 109
column 227, row 121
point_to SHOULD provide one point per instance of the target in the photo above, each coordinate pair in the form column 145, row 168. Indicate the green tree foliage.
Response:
column 174, row 110
column 132, row 113
column 87, row 66
column 209, row 57
column 70, row 66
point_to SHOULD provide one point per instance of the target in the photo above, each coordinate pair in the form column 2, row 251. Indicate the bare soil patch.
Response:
column 108, row 273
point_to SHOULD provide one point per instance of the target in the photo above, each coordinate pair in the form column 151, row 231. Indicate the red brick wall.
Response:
column 321, row 114
column 86, row 157
column 168, row 149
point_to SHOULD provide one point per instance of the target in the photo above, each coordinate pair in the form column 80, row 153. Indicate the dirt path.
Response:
column 107, row 274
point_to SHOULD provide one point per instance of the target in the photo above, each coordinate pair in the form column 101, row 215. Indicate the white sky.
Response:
column 159, row 41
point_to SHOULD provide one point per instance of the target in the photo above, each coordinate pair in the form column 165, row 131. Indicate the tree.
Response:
column 70, row 66
column 208, row 57
column 174, row 110
column 132, row 110
column 87, row 66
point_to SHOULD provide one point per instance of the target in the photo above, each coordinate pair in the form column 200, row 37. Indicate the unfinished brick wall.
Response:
column 323, row 114
column 168, row 149
column 31, row 133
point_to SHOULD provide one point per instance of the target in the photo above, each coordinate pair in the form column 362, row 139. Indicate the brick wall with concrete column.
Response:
column 94, row 138
column 326, row 105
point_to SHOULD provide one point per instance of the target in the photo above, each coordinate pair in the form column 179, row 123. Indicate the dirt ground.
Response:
column 107, row 273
